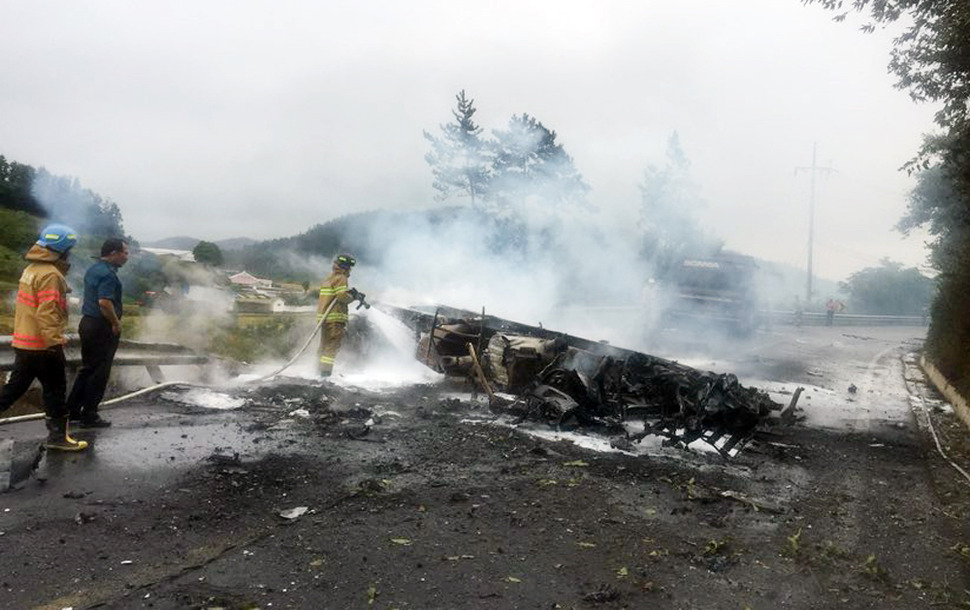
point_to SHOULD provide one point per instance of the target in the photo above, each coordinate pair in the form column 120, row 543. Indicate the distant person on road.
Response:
column 40, row 321
column 100, row 331
column 830, row 308
column 335, row 291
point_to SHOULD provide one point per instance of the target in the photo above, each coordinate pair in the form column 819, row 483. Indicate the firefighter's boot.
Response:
column 59, row 438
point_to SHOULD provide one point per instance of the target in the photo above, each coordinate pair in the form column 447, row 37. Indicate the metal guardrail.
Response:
column 781, row 317
column 130, row 353
column 841, row 319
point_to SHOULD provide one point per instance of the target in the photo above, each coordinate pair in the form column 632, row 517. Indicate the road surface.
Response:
column 416, row 497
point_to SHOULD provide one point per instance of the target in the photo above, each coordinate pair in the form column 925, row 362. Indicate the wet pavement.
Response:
column 430, row 501
column 150, row 444
column 155, row 438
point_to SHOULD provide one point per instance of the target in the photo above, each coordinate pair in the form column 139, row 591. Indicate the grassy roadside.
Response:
column 243, row 338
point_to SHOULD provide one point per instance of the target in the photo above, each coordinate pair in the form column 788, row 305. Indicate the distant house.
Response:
column 248, row 280
column 259, row 304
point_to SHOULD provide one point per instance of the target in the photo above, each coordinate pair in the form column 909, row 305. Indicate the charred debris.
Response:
column 533, row 373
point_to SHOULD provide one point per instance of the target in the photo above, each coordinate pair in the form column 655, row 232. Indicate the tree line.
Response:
column 39, row 193
column 31, row 197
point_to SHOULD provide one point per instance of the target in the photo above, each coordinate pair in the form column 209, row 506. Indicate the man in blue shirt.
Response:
column 100, row 330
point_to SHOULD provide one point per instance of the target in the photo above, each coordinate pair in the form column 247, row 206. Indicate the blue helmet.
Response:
column 57, row 237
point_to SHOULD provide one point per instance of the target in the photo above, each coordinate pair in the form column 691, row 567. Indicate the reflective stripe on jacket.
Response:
column 40, row 317
column 335, row 288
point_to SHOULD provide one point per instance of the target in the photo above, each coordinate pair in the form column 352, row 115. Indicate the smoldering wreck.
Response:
column 528, row 373
column 568, row 382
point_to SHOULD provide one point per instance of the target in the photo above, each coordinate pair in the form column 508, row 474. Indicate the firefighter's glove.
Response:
column 359, row 296
column 354, row 294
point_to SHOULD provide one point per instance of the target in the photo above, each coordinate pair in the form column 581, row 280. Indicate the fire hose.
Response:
column 158, row 386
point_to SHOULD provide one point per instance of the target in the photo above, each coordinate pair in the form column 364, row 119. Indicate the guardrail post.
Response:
column 155, row 372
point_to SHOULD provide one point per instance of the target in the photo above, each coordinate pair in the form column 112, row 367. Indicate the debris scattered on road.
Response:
column 294, row 513
column 605, row 593
column 756, row 504
column 82, row 518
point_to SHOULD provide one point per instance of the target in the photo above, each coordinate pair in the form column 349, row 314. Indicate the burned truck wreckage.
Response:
column 533, row 373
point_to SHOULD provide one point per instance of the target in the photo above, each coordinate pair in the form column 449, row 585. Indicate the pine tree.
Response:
column 531, row 165
column 459, row 158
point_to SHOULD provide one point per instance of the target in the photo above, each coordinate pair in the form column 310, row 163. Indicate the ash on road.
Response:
column 417, row 497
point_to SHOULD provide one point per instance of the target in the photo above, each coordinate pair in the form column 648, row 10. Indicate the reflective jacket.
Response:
column 335, row 288
column 40, row 318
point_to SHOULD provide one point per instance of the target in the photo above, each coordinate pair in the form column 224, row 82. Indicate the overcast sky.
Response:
column 234, row 118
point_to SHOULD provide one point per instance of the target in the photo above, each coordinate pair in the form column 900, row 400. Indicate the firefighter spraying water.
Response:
column 335, row 296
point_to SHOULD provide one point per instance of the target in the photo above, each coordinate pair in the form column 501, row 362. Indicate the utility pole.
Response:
column 811, row 219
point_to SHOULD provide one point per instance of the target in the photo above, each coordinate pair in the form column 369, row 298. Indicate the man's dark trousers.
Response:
column 98, row 347
column 47, row 366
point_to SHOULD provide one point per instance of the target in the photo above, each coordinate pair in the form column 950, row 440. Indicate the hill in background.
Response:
column 187, row 243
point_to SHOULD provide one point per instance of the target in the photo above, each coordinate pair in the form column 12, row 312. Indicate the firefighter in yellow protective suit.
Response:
column 335, row 290
column 40, row 322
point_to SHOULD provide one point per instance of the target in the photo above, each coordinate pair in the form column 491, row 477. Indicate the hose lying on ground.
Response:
column 158, row 386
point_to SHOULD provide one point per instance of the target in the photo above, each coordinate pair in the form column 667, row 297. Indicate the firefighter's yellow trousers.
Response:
column 330, row 339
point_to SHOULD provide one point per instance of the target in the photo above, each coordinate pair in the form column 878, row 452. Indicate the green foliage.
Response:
column 949, row 332
column 941, row 203
column 873, row 569
column 37, row 192
column 143, row 273
column 250, row 342
column 11, row 265
column 65, row 200
column 18, row 230
column 524, row 164
column 794, row 544
column 459, row 158
column 529, row 163
column 15, row 182
column 889, row 290
column 931, row 59
column 208, row 253
column 937, row 204
column 521, row 181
